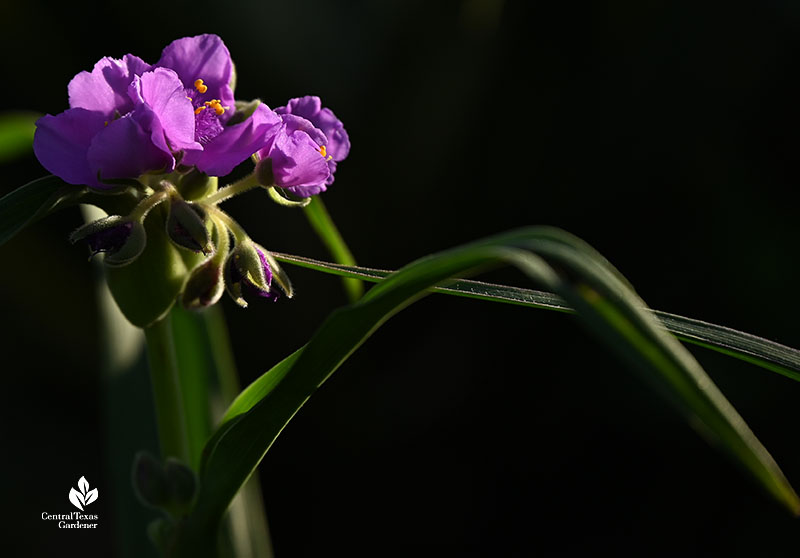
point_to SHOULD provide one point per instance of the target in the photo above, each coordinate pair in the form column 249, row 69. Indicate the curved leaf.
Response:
column 558, row 261
column 744, row 346
column 31, row 202
column 43, row 196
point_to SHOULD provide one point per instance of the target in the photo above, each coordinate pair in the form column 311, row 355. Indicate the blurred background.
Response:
column 665, row 134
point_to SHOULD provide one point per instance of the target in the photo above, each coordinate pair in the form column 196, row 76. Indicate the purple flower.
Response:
column 304, row 151
column 127, row 117
column 247, row 272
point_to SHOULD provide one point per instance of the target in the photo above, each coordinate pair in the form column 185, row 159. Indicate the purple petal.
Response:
column 105, row 88
column 297, row 164
column 294, row 123
column 202, row 57
column 307, row 106
column 62, row 144
column 126, row 147
column 236, row 143
column 310, row 108
column 164, row 93
column 265, row 265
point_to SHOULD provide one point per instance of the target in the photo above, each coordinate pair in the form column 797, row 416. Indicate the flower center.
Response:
column 207, row 124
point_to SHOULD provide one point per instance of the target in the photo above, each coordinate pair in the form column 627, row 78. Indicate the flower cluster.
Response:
column 163, row 132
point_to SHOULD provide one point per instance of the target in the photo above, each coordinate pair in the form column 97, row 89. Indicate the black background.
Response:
column 665, row 134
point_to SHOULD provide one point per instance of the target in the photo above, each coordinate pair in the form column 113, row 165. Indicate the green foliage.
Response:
column 744, row 346
column 558, row 261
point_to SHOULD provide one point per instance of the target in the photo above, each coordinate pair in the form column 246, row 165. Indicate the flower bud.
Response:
column 122, row 239
column 264, row 172
column 186, row 226
column 170, row 486
column 204, row 287
column 196, row 185
column 149, row 480
column 247, row 271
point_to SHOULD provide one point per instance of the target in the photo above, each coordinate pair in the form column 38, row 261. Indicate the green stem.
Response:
column 247, row 183
column 247, row 518
column 165, row 379
column 325, row 228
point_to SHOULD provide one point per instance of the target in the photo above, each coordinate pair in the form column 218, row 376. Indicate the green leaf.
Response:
column 558, row 261
column 323, row 225
column 743, row 346
column 37, row 199
column 16, row 134
column 28, row 204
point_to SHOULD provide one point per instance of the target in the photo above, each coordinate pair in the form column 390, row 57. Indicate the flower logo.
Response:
column 84, row 497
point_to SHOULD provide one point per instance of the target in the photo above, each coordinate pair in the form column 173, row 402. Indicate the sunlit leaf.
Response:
column 553, row 259
column 745, row 346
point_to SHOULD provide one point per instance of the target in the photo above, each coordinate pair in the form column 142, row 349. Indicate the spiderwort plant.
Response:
column 163, row 129
column 149, row 143
column 158, row 137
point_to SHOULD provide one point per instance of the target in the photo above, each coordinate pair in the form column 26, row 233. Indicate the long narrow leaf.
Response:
column 552, row 258
column 322, row 223
column 743, row 346
column 37, row 199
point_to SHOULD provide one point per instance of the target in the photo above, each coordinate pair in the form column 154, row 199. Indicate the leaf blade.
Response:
column 604, row 299
column 747, row 347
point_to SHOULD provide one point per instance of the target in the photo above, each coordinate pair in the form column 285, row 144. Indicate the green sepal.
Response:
column 244, row 110
column 146, row 289
column 196, row 185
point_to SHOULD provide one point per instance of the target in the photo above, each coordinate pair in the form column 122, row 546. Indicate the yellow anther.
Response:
column 198, row 84
column 216, row 104
column 323, row 151
column 198, row 110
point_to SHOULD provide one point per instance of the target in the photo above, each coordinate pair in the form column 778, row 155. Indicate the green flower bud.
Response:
column 186, row 226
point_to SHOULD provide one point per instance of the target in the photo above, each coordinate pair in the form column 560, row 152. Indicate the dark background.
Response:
column 665, row 134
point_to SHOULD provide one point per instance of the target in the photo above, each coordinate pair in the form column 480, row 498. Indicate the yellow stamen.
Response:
column 216, row 104
column 198, row 84
column 323, row 151
column 198, row 110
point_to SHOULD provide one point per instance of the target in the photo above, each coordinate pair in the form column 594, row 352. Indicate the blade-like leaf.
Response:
column 39, row 198
column 744, row 346
column 83, row 485
column 33, row 201
column 552, row 258
column 323, row 225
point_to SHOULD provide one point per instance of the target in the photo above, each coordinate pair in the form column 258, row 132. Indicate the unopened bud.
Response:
column 264, row 172
column 122, row 239
column 247, row 271
column 196, row 185
column 204, row 287
column 186, row 226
